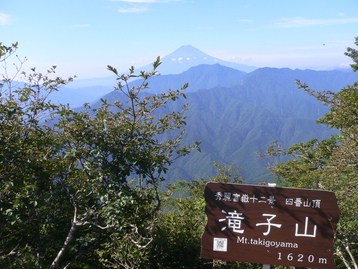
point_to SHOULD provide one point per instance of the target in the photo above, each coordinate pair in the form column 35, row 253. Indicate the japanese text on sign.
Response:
column 246, row 198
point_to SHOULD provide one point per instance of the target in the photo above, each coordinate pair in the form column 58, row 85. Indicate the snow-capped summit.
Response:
column 188, row 56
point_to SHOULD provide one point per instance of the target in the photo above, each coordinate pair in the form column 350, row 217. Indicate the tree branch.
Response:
column 351, row 256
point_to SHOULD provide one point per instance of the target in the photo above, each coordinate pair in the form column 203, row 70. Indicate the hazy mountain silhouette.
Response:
column 198, row 77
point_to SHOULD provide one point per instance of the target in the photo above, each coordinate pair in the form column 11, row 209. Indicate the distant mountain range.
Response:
column 235, row 113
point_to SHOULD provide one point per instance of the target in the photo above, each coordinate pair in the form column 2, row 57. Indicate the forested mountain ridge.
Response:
column 245, row 115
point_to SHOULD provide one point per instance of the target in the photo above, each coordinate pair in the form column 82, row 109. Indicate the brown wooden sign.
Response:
column 270, row 225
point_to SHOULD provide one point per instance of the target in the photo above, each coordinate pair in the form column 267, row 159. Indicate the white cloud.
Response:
column 302, row 22
column 136, row 8
column 146, row 1
column 133, row 10
column 4, row 19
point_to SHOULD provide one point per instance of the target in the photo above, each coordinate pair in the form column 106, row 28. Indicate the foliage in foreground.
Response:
column 79, row 186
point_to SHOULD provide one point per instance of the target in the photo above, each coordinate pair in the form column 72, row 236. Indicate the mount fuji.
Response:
column 176, row 62
column 188, row 56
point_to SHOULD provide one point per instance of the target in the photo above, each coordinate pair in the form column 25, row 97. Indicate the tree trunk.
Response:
column 65, row 246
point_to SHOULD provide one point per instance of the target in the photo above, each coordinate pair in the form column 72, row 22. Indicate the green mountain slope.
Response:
column 234, row 122
column 232, row 130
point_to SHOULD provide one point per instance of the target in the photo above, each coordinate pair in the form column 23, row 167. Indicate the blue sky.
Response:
column 82, row 37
